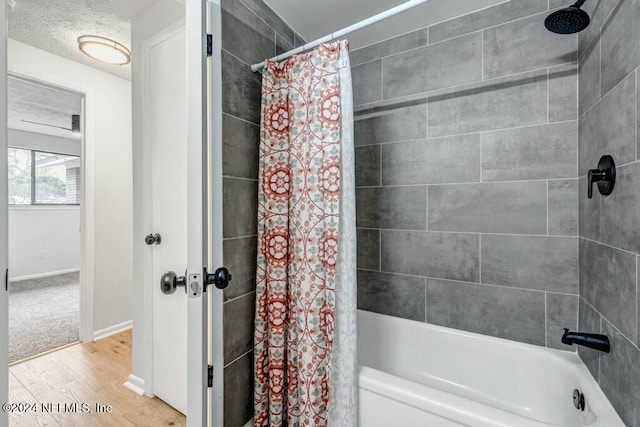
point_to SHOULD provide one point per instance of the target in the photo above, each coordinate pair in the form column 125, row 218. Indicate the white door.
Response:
column 176, row 144
column 4, row 320
column 168, row 144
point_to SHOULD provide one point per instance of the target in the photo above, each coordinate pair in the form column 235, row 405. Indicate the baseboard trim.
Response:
column 112, row 330
column 41, row 275
column 135, row 384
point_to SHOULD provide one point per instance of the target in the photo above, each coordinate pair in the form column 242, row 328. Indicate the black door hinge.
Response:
column 210, row 376
column 209, row 45
column 6, row 280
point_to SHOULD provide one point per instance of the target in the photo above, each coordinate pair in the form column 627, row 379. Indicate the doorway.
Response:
column 45, row 194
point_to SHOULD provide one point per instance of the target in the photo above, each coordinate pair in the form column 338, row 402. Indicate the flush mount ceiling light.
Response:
column 104, row 50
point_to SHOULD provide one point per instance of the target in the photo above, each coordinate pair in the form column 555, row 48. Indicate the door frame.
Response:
column 147, row 201
column 87, row 203
column 197, row 214
column 215, row 199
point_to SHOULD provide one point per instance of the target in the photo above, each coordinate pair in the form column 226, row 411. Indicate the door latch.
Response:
column 170, row 281
column 195, row 288
column 220, row 278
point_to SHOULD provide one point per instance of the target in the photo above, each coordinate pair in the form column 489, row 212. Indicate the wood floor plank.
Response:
column 87, row 373
column 19, row 394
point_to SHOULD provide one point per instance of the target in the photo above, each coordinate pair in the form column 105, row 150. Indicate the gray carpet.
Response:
column 44, row 314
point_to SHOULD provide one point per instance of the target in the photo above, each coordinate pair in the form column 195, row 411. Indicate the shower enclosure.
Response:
column 473, row 144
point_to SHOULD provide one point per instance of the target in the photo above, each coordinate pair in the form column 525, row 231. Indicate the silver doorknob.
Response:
column 170, row 281
column 153, row 239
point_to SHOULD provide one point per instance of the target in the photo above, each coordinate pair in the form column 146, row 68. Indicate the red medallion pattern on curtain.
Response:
column 298, row 218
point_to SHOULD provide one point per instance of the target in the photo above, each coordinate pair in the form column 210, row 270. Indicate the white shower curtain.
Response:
column 343, row 405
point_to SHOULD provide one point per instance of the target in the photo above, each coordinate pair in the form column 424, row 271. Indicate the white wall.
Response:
column 43, row 240
column 39, row 141
column 107, row 221
column 160, row 15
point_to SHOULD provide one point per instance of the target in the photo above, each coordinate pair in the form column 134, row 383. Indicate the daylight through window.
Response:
column 41, row 178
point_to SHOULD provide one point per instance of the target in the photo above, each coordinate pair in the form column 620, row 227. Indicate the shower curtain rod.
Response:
column 350, row 29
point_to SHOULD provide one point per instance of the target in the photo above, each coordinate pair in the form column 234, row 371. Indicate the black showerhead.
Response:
column 569, row 20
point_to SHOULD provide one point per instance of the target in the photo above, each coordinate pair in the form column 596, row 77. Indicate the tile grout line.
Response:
column 480, row 258
column 481, row 157
column 380, row 250
column 427, row 207
column 482, row 55
column 435, row 24
column 380, row 180
column 477, row 233
column 600, row 94
column 607, row 245
column 465, row 282
column 429, row 43
column 599, row 355
column 418, row 96
column 265, row 22
column 381, row 80
column 453, row 135
column 425, row 300
column 240, row 178
column 239, row 237
column 548, row 97
column 548, row 207
column 546, row 338
column 240, row 296
column 437, row 184
column 238, row 358
column 603, row 96
column 275, row 44
column 427, row 112
column 603, row 317
column 240, row 119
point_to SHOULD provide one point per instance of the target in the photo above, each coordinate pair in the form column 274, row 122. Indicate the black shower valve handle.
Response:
column 604, row 176
column 594, row 176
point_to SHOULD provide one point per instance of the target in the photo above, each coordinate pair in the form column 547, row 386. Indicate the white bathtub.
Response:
column 415, row 374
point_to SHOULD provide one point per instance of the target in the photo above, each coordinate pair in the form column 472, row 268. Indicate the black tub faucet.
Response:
column 594, row 341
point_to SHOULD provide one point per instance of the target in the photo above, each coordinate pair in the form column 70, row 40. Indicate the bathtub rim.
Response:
column 421, row 395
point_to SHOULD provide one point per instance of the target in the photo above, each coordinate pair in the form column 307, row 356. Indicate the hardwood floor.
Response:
column 85, row 373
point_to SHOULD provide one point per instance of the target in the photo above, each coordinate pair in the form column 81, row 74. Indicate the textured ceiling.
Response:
column 55, row 25
column 314, row 19
column 41, row 103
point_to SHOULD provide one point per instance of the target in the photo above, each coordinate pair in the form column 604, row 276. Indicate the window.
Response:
column 19, row 176
column 41, row 178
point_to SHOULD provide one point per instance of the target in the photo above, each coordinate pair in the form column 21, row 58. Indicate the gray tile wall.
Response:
column 610, row 225
column 466, row 167
column 251, row 32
